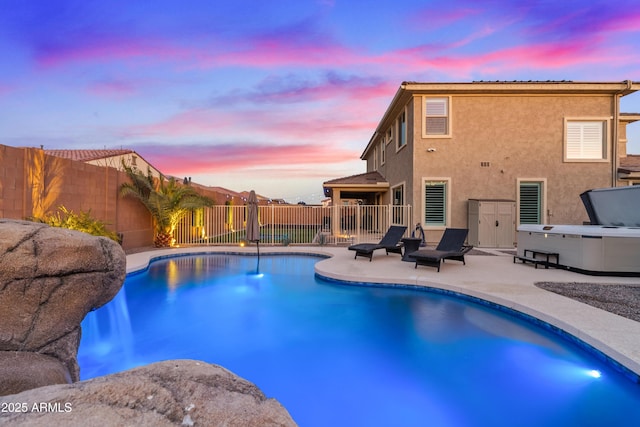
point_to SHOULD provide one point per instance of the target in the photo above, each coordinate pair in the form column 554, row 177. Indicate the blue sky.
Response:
column 277, row 96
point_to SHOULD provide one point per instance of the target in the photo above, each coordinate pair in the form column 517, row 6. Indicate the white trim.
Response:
column 606, row 121
column 449, row 116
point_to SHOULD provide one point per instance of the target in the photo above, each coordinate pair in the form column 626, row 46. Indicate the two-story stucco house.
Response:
column 495, row 153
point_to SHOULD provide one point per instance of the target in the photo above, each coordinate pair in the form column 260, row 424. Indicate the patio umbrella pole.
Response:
column 253, row 224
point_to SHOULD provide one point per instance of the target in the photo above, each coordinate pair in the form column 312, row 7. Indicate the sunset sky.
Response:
column 277, row 96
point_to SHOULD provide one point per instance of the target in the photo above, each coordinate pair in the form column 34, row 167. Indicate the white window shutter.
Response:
column 436, row 116
column 585, row 140
column 436, row 125
column 436, row 107
column 592, row 140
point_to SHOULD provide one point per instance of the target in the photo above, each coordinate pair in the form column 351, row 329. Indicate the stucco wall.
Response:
column 519, row 137
column 33, row 184
column 398, row 167
column 496, row 140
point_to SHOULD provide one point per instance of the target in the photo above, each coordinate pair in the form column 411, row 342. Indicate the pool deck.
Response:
column 492, row 278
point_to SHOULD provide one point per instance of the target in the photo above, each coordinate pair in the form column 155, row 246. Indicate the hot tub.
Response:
column 590, row 249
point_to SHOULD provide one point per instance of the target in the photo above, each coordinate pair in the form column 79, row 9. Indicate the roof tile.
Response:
column 87, row 155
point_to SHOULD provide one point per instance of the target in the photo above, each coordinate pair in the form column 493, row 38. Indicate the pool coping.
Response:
column 494, row 280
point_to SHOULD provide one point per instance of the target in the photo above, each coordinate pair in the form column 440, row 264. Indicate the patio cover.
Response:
column 359, row 186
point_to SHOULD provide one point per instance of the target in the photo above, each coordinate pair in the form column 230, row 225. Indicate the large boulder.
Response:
column 24, row 370
column 50, row 278
column 178, row 392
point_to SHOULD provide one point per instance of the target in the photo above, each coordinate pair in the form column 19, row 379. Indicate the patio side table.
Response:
column 411, row 244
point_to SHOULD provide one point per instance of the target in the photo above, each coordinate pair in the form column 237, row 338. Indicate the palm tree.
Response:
column 166, row 201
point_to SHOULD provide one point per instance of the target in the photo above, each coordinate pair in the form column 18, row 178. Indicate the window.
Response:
column 435, row 203
column 390, row 135
column 398, row 202
column 398, row 195
column 530, row 202
column 375, row 158
column 585, row 140
column 382, row 152
column 436, row 121
column 402, row 130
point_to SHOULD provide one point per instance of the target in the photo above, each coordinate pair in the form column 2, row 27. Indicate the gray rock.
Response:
column 50, row 278
column 178, row 392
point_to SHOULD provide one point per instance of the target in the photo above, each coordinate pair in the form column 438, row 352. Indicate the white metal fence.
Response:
column 292, row 224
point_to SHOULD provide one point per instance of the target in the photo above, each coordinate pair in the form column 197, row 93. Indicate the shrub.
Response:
column 82, row 221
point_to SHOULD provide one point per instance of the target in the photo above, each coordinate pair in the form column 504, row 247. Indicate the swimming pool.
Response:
column 354, row 355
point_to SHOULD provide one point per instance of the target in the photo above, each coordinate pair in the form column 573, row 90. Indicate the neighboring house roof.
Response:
column 630, row 164
column 110, row 158
column 261, row 198
column 87, row 155
column 226, row 191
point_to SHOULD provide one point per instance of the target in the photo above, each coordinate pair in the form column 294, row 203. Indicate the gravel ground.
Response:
column 623, row 300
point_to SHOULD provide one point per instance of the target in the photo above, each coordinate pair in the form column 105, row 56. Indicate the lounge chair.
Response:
column 390, row 243
column 451, row 246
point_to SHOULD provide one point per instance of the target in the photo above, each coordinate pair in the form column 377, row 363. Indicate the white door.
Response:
column 487, row 224
column 505, row 216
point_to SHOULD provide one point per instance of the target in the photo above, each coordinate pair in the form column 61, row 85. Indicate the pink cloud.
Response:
column 591, row 21
column 294, row 89
column 628, row 20
column 312, row 124
column 323, row 128
column 478, row 35
column 261, row 53
column 112, row 48
column 6, row 89
column 303, row 45
column 549, row 55
column 113, row 88
column 334, row 86
column 190, row 123
column 434, row 19
column 200, row 159
column 530, row 37
column 534, row 56
column 274, row 52
column 290, row 47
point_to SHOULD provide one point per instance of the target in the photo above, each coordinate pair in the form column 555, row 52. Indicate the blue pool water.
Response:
column 338, row 355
